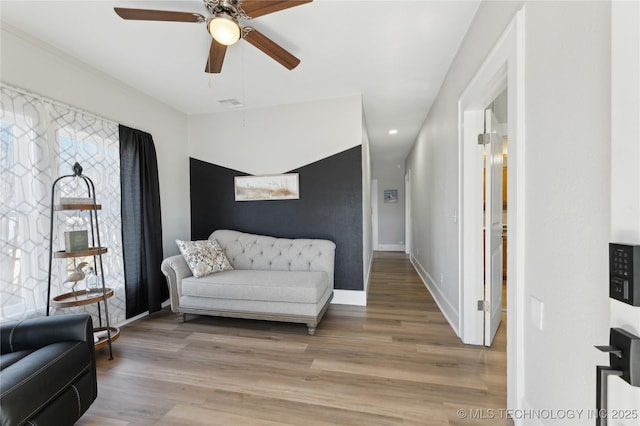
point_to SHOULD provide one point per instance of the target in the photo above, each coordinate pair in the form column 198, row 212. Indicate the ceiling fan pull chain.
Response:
column 242, row 87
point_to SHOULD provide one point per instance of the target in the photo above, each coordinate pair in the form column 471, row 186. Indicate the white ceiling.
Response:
column 393, row 52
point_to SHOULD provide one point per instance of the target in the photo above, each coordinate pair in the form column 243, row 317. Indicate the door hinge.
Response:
column 484, row 138
column 483, row 305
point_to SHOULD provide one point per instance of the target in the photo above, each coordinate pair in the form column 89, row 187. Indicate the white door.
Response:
column 493, row 230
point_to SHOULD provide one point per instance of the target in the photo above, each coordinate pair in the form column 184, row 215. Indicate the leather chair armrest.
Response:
column 35, row 333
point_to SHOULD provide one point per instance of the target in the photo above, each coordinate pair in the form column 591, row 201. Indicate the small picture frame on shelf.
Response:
column 76, row 241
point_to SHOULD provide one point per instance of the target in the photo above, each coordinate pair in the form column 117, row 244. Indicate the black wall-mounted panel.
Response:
column 330, row 207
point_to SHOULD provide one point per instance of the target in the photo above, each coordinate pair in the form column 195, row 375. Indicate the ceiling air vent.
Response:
column 231, row 103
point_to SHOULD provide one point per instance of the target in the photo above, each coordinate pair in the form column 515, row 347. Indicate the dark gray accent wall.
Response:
column 330, row 207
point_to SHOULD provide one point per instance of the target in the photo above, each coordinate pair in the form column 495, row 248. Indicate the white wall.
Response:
column 39, row 68
column 390, row 175
column 281, row 138
column 367, row 231
column 433, row 163
column 567, row 125
column 567, row 184
column 297, row 134
column 625, row 167
column 277, row 139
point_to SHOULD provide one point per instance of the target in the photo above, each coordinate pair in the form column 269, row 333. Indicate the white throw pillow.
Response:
column 204, row 257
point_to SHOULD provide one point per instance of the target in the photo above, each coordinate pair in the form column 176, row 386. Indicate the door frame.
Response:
column 493, row 235
column 375, row 232
column 503, row 68
column 407, row 212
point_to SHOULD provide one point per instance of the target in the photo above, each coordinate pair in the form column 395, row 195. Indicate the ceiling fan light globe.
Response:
column 224, row 30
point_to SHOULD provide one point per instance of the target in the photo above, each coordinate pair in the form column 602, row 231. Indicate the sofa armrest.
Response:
column 175, row 268
column 35, row 333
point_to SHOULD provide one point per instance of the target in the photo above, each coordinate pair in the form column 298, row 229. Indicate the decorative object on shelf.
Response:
column 75, row 276
column 267, row 187
column 91, row 281
column 77, row 245
column 76, row 241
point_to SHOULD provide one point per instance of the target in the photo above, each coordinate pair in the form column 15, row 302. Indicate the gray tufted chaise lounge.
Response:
column 275, row 279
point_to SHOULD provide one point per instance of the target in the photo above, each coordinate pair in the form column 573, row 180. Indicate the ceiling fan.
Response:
column 224, row 27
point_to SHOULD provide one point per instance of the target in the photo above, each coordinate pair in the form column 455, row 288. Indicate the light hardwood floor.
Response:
column 394, row 362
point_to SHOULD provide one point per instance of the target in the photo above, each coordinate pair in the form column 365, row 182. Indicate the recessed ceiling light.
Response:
column 393, row 131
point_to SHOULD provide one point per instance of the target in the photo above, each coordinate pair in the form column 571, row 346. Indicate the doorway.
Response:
column 494, row 212
column 502, row 69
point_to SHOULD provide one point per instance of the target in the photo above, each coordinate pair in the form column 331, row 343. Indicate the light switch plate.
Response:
column 537, row 313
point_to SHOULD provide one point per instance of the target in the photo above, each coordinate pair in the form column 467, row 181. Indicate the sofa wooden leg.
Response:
column 311, row 329
column 182, row 317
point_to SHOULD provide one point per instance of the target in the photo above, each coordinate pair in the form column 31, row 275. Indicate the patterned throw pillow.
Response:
column 204, row 257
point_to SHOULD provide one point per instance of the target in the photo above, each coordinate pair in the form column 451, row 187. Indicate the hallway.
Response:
column 470, row 378
column 394, row 362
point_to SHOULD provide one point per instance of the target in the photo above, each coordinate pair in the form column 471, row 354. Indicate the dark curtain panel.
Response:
column 145, row 286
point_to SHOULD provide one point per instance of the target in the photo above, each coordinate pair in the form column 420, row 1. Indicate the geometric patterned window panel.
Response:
column 40, row 140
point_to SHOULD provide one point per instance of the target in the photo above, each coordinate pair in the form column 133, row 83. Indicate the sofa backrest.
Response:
column 259, row 252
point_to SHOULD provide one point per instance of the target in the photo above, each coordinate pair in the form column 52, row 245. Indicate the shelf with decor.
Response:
column 90, row 251
column 102, row 338
column 80, row 297
column 78, row 206
column 81, row 244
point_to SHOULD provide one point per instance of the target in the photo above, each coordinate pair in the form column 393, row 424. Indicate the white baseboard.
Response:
column 447, row 309
column 349, row 297
column 144, row 314
column 132, row 319
column 367, row 274
column 525, row 416
column 389, row 247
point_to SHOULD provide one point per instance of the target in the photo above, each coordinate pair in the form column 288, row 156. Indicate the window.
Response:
column 41, row 140
column 10, row 260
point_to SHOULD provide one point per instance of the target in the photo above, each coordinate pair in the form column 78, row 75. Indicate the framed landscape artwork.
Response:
column 390, row 195
column 267, row 187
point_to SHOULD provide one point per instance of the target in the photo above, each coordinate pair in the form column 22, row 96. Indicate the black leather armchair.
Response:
column 47, row 370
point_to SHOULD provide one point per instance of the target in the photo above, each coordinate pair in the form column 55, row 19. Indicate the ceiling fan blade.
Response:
column 216, row 57
column 271, row 48
column 158, row 15
column 255, row 8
